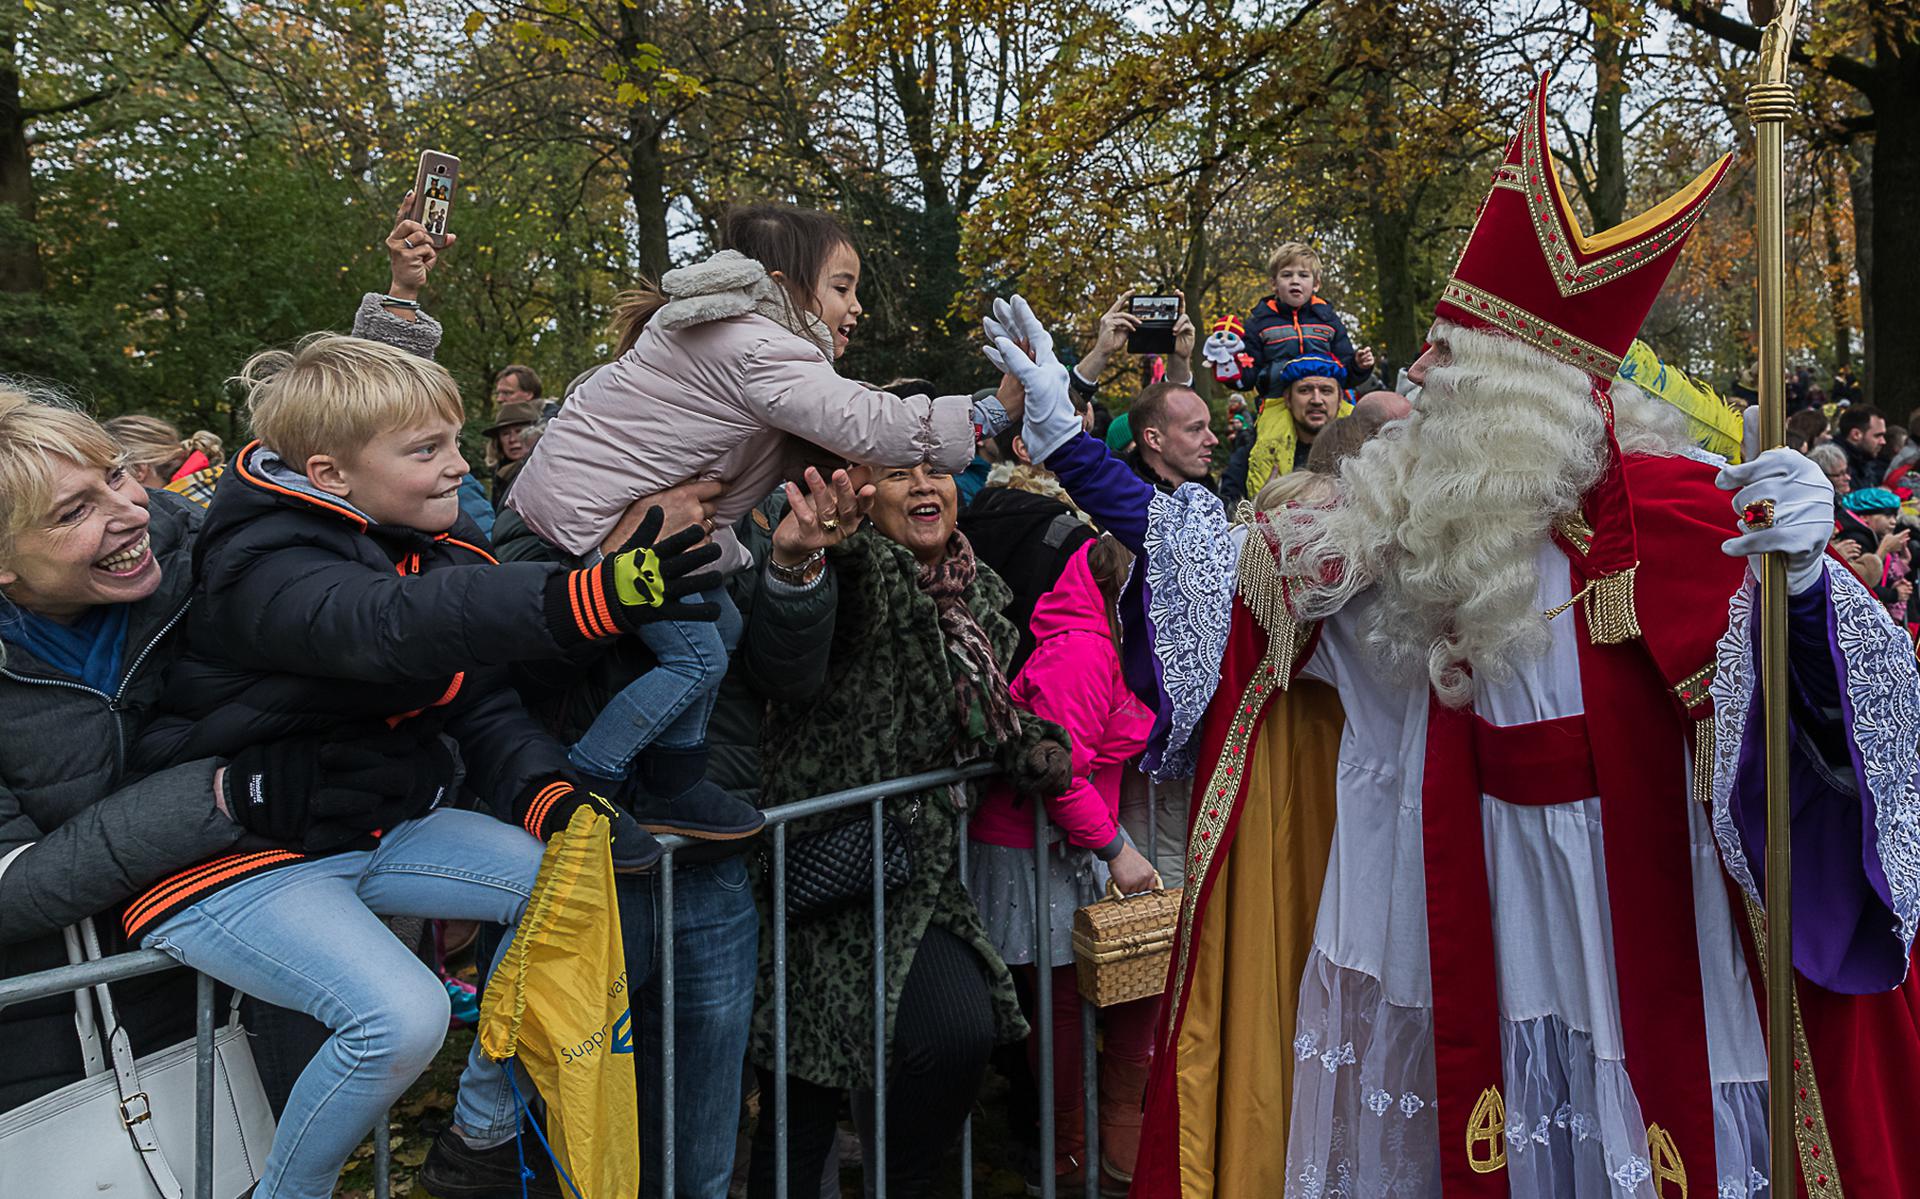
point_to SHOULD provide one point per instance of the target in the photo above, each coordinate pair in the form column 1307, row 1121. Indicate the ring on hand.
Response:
column 407, row 242
column 1757, row 515
column 830, row 524
column 707, row 523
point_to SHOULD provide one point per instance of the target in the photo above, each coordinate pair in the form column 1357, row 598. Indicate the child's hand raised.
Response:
column 1364, row 359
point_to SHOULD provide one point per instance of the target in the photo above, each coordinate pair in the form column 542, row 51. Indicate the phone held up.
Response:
column 433, row 187
column 1157, row 315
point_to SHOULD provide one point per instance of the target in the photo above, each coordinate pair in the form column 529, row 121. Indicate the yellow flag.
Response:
column 558, row 1001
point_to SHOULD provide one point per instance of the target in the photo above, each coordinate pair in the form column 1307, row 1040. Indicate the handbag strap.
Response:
column 93, row 1059
column 136, row 1109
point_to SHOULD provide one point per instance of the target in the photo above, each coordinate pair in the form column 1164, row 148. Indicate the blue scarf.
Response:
column 88, row 650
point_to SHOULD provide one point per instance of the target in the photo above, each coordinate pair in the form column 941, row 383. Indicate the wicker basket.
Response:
column 1122, row 945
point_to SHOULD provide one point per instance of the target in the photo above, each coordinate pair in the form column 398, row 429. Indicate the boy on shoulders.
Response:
column 1294, row 322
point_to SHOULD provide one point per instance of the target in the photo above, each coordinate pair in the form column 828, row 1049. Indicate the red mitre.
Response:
column 1529, row 273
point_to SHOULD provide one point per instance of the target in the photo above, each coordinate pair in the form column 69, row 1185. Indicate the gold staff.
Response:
column 1769, row 104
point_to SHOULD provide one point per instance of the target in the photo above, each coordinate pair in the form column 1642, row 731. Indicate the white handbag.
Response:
column 126, row 1129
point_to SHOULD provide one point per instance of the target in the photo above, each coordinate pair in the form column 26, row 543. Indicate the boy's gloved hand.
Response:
column 642, row 583
column 547, row 806
column 323, row 792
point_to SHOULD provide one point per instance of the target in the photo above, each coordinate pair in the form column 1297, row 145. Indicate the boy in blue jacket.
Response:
column 1294, row 322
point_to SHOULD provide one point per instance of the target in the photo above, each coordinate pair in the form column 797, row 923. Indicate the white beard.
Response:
column 1443, row 514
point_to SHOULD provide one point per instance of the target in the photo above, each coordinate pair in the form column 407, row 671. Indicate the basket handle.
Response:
column 1114, row 894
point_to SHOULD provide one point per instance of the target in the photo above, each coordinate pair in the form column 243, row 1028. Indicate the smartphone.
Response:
column 433, row 187
column 1155, row 334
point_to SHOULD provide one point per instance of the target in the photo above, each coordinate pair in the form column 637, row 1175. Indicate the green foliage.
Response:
column 210, row 179
column 191, row 266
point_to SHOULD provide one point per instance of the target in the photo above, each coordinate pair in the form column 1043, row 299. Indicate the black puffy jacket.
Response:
column 80, row 832
column 308, row 618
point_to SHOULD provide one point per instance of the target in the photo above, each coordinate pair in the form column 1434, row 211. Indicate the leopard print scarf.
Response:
column 979, row 689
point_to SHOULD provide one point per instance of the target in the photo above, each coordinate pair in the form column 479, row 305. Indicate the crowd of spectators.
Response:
column 262, row 702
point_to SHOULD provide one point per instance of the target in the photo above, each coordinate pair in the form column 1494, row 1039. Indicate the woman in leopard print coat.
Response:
column 913, row 685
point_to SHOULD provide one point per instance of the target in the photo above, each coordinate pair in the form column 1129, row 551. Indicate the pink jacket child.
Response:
column 726, row 381
column 1073, row 679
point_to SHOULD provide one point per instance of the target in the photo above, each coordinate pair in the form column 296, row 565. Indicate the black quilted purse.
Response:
column 832, row 869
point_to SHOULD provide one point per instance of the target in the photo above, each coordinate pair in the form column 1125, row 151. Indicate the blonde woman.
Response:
column 157, row 456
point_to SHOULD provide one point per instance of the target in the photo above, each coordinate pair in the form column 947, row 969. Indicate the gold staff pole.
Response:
column 1769, row 104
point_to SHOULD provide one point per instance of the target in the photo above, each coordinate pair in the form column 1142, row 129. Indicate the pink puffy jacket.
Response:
column 725, row 399
column 1073, row 679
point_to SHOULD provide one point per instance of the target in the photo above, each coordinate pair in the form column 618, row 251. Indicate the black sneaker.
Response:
column 456, row 1170
column 672, row 795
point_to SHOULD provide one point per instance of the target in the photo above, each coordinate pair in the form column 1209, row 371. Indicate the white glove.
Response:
column 1802, row 500
column 1050, row 420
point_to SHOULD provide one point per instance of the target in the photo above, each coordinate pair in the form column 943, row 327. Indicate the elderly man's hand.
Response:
column 1021, row 346
column 689, row 503
column 1784, row 504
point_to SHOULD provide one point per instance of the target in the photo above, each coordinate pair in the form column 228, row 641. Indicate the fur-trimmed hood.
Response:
column 730, row 284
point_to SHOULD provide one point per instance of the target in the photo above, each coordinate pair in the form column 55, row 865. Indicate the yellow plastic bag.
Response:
column 558, row 1001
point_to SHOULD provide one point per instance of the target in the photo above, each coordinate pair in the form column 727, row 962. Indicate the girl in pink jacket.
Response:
column 1073, row 679
column 726, row 372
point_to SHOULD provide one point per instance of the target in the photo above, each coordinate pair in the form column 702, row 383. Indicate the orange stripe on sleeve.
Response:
column 200, row 878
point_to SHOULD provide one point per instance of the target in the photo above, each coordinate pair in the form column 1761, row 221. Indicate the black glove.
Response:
column 323, row 792
column 547, row 806
column 642, row 583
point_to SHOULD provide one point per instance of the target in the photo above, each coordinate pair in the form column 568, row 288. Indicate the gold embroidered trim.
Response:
column 1692, row 690
column 1570, row 275
column 1574, row 527
column 1703, row 757
column 1213, row 804
column 1663, row 1156
column 1541, row 335
column 1817, row 1167
column 1487, row 1133
column 1609, row 608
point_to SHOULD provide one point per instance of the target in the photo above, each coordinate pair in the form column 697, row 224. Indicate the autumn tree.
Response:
column 1871, row 50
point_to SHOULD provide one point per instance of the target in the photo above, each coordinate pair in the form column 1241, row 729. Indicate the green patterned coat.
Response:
column 887, row 711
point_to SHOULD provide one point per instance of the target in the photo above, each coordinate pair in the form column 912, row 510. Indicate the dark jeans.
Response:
column 716, row 949
column 942, row 1035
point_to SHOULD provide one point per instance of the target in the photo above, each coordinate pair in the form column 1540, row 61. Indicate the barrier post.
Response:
column 203, row 1086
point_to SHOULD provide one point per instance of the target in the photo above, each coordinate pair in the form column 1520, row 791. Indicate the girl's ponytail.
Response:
column 632, row 310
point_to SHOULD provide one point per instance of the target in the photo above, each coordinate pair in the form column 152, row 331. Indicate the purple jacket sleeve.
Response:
column 1105, row 488
column 1853, row 724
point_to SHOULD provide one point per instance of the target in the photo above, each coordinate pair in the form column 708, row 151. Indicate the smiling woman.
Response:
column 94, row 573
column 913, row 683
column 73, row 524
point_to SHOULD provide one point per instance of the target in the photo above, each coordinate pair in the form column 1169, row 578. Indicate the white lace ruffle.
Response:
column 1882, row 686
column 1192, row 564
column 1732, row 691
column 1883, row 690
column 1363, row 1121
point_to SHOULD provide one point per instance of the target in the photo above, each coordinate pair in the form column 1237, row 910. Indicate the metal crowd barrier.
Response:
column 133, row 964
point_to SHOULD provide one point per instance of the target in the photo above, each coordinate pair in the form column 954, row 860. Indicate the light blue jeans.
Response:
column 309, row 937
column 669, row 705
